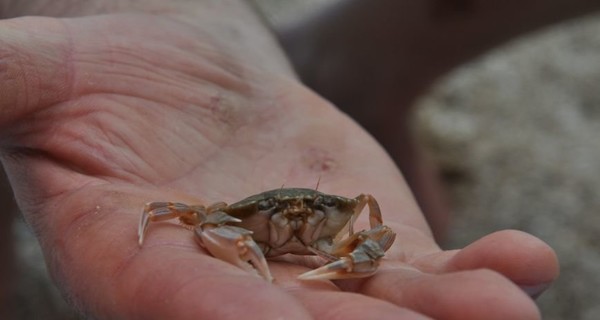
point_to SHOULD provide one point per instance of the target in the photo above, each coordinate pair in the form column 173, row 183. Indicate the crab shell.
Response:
column 290, row 220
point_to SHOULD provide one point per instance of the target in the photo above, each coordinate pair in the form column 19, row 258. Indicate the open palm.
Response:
column 102, row 114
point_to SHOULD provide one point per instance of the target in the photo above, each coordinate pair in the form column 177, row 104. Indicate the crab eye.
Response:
column 266, row 205
column 327, row 201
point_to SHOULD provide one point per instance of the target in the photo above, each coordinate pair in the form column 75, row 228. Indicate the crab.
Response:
column 288, row 220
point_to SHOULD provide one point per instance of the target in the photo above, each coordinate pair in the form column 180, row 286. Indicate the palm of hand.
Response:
column 149, row 110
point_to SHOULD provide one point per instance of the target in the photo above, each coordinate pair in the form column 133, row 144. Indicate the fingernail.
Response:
column 536, row 290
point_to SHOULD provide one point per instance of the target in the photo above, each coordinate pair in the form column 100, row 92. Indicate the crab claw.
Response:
column 360, row 263
column 236, row 246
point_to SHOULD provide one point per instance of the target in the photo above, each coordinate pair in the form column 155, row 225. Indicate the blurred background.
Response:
column 516, row 136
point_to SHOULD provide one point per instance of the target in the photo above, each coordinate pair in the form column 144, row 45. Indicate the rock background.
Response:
column 517, row 136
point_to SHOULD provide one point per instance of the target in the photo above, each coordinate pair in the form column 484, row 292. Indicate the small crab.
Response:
column 287, row 220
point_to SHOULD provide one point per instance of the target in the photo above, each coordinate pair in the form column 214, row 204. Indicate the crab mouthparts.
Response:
column 297, row 216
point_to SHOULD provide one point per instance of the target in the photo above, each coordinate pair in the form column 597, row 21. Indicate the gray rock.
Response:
column 517, row 135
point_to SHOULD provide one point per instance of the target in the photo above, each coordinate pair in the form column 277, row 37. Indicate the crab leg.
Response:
column 375, row 218
column 359, row 255
column 160, row 211
column 236, row 246
column 225, row 242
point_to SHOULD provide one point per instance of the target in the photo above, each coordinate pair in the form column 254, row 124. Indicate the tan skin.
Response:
column 103, row 113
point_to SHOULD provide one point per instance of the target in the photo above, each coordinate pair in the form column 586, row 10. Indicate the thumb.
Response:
column 34, row 66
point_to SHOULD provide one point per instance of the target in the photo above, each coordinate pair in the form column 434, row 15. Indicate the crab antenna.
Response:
column 318, row 182
column 279, row 194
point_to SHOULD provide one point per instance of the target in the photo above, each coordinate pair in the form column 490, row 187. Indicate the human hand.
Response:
column 102, row 114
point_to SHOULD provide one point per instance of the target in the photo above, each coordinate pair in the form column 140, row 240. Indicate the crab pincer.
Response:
column 359, row 256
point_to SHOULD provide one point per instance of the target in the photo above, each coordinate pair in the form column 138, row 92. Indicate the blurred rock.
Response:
column 517, row 135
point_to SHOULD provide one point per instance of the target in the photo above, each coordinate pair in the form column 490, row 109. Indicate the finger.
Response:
column 475, row 294
column 324, row 300
column 524, row 259
column 348, row 306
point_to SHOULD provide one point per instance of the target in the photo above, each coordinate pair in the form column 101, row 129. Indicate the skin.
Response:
column 195, row 102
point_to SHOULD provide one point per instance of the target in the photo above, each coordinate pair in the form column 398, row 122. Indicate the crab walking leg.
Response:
column 359, row 255
column 160, row 211
column 229, row 243
column 375, row 218
column 236, row 246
